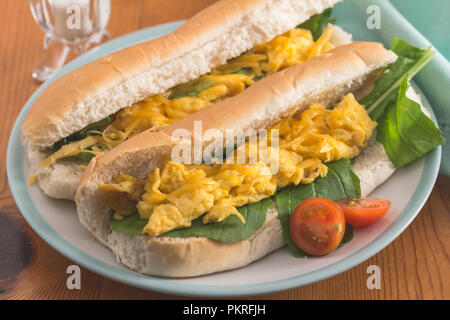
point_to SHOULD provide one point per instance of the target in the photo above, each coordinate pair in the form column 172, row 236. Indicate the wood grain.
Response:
column 415, row 266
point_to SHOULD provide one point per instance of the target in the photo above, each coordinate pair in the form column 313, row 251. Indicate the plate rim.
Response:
column 18, row 187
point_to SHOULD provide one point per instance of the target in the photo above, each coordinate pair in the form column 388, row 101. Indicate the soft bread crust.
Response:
column 195, row 256
column 108, row 84
column 324, row 79
column 54, row 180
column 187, row 257
column 103, row 87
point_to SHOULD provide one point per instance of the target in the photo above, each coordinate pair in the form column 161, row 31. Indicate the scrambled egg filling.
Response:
column 290, row 49
column 177, row 194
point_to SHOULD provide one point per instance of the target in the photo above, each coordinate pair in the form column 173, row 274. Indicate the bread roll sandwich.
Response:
column 344, row 124
column 215, row 55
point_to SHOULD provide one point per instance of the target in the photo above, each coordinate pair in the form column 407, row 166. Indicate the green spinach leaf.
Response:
column 191, row 88
column 249, row 71
column 132, row 225
column 246, row 71
column 229, row 230
column 348, row 235
column 79, row 135
column 263, row 75
column 405, row 131
column 85, row 157
column 317, row 23
column 410, row 61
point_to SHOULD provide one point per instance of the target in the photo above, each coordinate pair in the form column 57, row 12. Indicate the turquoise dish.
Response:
column 55, row 220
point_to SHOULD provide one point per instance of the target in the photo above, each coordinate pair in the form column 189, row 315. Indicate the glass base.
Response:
column 43, row 74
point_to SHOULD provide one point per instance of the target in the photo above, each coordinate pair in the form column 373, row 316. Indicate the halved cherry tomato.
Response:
column 362, row 212
column 317, row 226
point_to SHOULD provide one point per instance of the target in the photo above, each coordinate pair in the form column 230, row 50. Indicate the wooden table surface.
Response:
column 415, row 266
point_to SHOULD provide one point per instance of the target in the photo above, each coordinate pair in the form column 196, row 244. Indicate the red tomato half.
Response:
column 362, row 212
column 317, row 226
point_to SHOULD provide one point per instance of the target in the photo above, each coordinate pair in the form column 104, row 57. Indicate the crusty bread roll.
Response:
column 103, row 87
column 325, row 79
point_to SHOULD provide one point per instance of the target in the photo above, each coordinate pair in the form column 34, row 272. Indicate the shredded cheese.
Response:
column 179, row 193
column 72, row 149
column 292, row 48
column 32, row 179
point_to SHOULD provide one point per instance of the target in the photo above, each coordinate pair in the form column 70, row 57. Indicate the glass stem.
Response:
column 55, row 54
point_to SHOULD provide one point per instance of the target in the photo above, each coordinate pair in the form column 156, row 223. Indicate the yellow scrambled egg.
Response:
column 177, row 194
column 290, row 49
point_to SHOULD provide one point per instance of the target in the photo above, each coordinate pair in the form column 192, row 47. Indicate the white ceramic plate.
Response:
column 56, row 222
